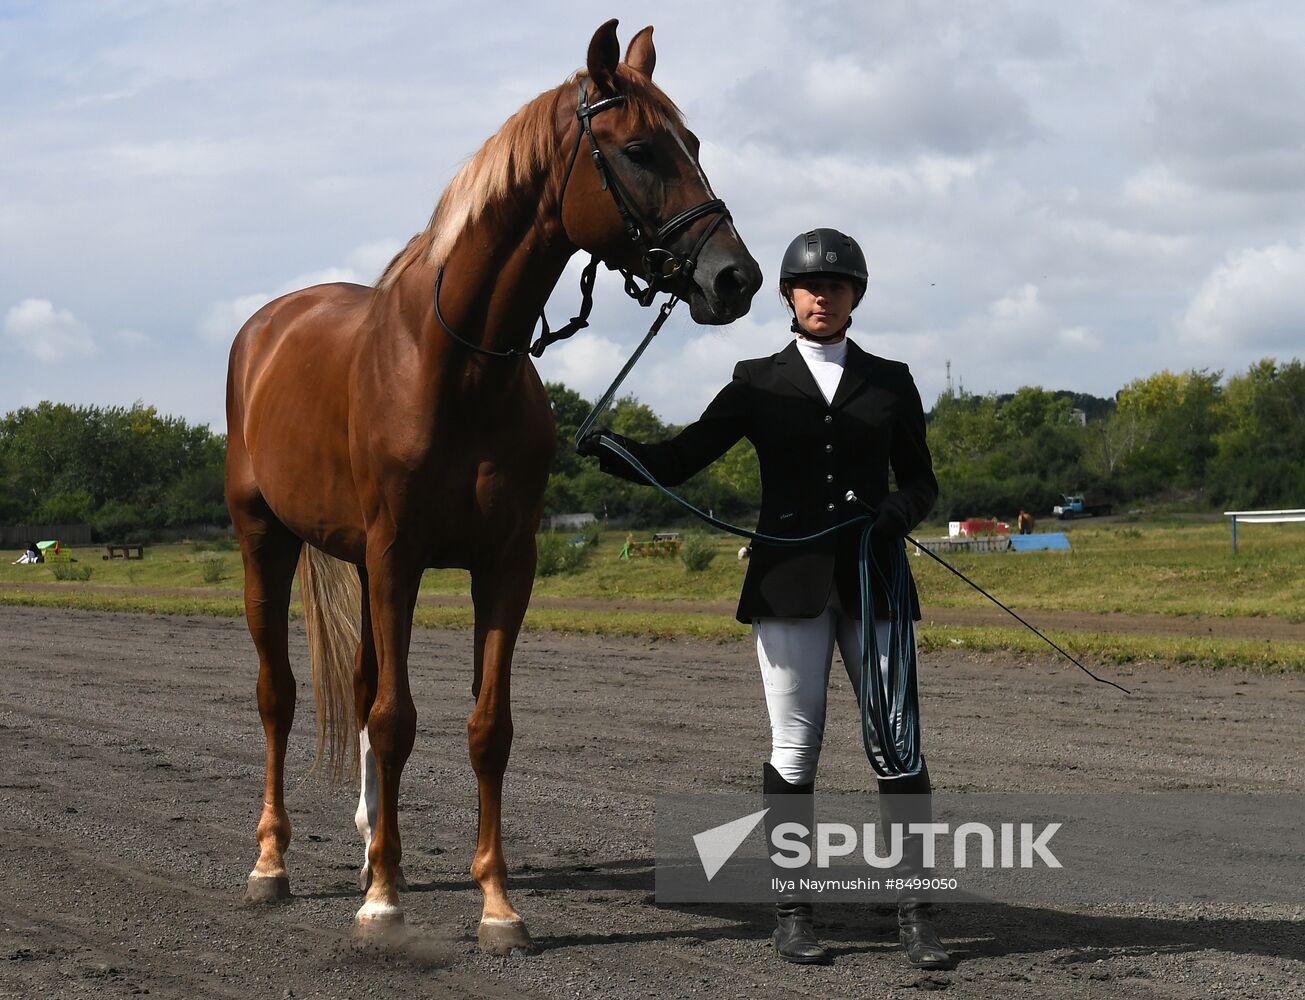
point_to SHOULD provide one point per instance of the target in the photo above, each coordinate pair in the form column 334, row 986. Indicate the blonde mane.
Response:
column 526, row 145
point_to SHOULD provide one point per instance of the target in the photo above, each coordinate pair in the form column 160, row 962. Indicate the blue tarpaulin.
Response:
column 1036, row 543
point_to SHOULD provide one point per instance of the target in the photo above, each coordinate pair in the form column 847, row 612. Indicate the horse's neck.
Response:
column 498, row 275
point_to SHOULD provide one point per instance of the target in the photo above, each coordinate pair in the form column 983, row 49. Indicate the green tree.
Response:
column 637, row 420
column 66, row 463
column 1169, row 423
column 1032, row 408
column 1259, row 448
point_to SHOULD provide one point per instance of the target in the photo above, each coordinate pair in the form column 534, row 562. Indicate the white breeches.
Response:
column 795, row 655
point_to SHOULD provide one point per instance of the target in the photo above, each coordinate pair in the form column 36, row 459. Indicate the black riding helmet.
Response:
column 825, row 251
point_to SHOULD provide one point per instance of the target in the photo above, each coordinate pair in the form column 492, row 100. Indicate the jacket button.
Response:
column 829, row 448
column 828, row 419
column 829, row 507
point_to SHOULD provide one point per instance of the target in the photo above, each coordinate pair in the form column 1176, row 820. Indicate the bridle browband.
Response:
column 661, row 266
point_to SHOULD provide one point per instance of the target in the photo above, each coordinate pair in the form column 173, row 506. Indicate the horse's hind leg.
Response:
column 500, row 597
column 270, row 553
column 391, row 723
column 364, row 693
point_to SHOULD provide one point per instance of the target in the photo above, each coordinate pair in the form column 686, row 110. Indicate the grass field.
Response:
column 1166, row 567
column 1170, row 567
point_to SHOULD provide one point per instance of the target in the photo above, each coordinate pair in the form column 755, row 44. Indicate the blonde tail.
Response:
column 332, row 597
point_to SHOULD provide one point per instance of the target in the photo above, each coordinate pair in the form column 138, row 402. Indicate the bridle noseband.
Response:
column 661, row 265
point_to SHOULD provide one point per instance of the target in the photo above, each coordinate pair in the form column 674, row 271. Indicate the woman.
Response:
column 828, row 421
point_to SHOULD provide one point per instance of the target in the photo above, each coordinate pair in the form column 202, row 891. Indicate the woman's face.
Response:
column 822, row 304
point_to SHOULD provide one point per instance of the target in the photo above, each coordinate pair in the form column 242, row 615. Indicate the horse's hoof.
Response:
column 267, row 889
column 505, row 937
column 365, row 880
column 379, row 923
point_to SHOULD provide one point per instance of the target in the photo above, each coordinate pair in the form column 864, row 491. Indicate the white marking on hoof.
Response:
column 378, row 912
column 379, row 923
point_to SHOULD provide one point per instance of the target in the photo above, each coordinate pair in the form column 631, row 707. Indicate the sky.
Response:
column 1070, row 196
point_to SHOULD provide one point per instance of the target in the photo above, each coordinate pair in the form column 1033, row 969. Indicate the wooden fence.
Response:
column 16, row 535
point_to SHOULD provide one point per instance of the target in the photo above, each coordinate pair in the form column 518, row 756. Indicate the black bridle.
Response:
column 661, row 266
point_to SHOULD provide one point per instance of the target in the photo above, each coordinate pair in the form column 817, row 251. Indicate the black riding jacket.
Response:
column 811, row 453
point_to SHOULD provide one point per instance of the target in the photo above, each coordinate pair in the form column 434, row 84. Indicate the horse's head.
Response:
column 634, row 194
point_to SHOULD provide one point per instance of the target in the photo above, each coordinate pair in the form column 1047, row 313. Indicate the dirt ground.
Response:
column 130, row 811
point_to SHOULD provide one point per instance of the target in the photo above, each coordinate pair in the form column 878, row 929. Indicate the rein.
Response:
column 661, row 266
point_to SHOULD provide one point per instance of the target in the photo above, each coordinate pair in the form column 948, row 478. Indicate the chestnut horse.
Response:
column 372, row 433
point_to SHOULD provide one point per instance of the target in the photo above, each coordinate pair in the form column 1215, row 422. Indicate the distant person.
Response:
column 31, row 554
column 827, row 418
column 1025, row 522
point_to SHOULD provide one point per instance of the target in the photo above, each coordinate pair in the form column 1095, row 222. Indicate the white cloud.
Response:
column 1078, row 338
column 587, row 363
column 223, row 319
column 1023, row 320
column 1254, row 299
column 131, row 339
column 1229, row 115
column 45, row 333
column 199, row 157
column 921, row 95
column 685, row 371
column 1105, row 158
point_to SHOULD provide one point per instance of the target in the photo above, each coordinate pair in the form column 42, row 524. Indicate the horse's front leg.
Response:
column 500, row 594
column 391, row 725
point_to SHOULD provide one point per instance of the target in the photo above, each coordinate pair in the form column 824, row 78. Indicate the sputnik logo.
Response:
column 717, row 845
column 838, row 840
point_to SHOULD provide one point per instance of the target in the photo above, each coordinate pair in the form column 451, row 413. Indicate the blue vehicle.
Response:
column 1075, row 507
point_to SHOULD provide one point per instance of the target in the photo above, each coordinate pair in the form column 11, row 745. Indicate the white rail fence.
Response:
column 1260, row 517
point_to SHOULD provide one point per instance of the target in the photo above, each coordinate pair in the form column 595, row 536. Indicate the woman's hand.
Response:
column 591, row 444
column 890, row 523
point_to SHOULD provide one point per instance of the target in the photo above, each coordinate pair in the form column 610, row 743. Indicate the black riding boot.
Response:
column 794, row 940
column 905, row 801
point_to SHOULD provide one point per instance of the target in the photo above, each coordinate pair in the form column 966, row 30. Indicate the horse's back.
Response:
column 288, row 405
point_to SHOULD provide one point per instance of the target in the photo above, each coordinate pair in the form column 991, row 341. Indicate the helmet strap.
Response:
column 829, row 338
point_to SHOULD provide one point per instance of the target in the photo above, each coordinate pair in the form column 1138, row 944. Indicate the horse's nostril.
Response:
column 731, row 284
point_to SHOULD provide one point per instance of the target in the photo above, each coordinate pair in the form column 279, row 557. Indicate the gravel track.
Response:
column 138, row 767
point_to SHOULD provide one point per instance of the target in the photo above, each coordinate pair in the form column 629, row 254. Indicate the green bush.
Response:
column 68, row 571
column 556, row 554
column 214, row 571
column 696, row 552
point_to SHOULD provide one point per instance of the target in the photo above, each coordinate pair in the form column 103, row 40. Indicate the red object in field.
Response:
column 984, row 526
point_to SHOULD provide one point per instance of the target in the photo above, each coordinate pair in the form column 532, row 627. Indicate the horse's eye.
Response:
column 639, row 152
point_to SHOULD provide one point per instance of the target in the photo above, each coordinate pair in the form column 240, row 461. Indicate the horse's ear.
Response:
column 641, row 55
column 604, row 54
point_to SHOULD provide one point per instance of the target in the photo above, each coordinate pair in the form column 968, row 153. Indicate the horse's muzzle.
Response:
column 723, row 286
